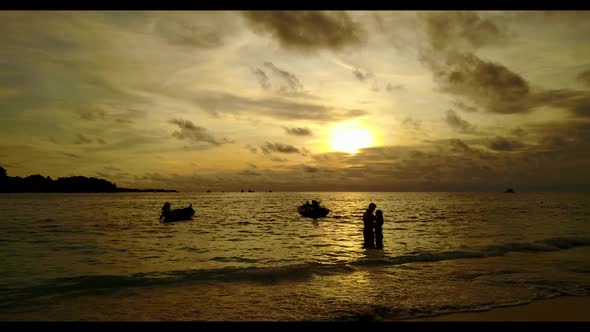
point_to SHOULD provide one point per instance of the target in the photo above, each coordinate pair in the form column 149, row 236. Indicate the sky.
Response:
column 299, row 101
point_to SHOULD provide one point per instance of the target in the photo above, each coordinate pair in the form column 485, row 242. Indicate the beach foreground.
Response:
column 560, row 309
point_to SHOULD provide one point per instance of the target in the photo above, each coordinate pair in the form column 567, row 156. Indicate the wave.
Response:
column 300, row 272
column 385, row 313
column 550, row 244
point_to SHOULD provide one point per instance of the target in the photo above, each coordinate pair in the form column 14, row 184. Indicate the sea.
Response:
column 252, row 257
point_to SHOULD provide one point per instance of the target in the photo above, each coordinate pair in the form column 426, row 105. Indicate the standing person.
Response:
column 379, row 229
column 369, row 224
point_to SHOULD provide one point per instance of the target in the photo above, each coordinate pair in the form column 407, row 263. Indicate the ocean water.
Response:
column 251, row 257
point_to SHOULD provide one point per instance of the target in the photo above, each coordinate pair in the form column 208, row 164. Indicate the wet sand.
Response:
column 559, row 309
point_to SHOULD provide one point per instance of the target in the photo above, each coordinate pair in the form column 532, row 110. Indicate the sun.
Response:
column 351, row 139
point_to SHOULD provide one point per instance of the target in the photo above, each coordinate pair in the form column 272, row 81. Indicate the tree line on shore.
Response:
column 72, row 184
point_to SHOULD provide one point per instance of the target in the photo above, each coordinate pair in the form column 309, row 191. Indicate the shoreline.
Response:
column 556, row 309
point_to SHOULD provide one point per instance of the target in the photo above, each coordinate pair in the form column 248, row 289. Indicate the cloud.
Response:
column 81, row 139
column 249, row 172
column 92, row 114
column 519, row 132
column 293, row 83
column 362, row 76
column 310, row 169
column 195, row 133
column 490, row 85
column 189, row 32
column 452, row 38
column 331, row 157
column 391, row 88
column 279, row 160
column 449, row 30
column 458, row 145
column 464, row 107
column 412, row 123
column 71, row 155
column 299, row 131
column 217, row 103
column 499, row 143
column 251, row 148
column 114, row 114
column 553, row 141
column 577, row 102
column 455, row 122
column 496, row 89
column 262, row 78
column 268, row 148
column 308, row 30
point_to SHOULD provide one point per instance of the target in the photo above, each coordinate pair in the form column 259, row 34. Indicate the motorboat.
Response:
column 169, row 215
column 313, row 210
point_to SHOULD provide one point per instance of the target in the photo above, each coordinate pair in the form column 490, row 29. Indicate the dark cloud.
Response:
column 81, row 139
column 553, row 141
column 453, row 36
column 262, row 78
column 330, row 157
column 279, row 160
column 490, row 85
column 249, row 172
column 71, row 155
column 293, row 83
column 252, row 165
column 448, row 30
column 584, row 77
column 499, row 143
column 310, row 169
column 455, row 122
column 101, row 141
column 90, row 115
column 195, row 133
column 268, row 148
column 308, row 30
column 458, row 145
column 519, row 132
column 497, row 89
column 412, row 123
column 464, row 107
column 298, row 131
column 124, row 141
column 123, row 116
column 251, row 148
column 390, row 87
column 362, row 76
column 577, row 102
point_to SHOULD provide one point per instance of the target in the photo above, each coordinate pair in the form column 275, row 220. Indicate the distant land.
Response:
column 74, row 184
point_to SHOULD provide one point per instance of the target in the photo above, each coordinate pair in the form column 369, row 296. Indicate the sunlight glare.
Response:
column 351, row 139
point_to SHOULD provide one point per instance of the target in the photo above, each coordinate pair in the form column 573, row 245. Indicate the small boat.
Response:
column 313, row 210
column 176, row 214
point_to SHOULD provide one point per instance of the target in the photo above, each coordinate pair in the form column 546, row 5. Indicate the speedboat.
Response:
column 169, row 215
column 313, row 210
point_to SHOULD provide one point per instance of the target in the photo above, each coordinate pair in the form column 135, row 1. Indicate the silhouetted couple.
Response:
column 373, row 230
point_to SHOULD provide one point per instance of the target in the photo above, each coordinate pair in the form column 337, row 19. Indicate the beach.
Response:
column 558, row 309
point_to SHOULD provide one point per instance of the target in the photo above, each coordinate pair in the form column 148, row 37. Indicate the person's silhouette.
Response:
column 379, row 229
column 369, row 222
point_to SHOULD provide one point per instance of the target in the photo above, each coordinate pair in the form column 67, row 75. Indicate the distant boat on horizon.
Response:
column 509, row 190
